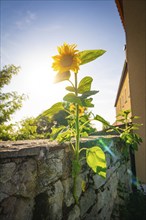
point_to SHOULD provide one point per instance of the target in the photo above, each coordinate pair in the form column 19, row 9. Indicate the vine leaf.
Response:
column 95, row 158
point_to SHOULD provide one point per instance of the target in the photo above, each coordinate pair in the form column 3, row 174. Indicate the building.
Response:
column 123, row 99
column 133, row 18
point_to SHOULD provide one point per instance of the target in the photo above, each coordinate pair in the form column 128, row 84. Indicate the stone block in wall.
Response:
column 67, row 163
column 6, row 171
column 98, row 181
column 49, row 169
column 55, row 202
column 14, row 208
column 87, row 201
column 68, row 196
column 74, row 214
column 19, row 179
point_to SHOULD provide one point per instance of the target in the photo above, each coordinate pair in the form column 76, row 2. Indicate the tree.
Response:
column 33, row 128
column 27, row 129
column 9, row 102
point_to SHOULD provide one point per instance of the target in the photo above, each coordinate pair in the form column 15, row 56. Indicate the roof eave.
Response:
column 119, row 4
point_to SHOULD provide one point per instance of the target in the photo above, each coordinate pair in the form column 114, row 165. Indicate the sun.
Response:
column 37, row 82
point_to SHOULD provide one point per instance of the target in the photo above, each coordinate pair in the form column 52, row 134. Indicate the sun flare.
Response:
column 39, row 84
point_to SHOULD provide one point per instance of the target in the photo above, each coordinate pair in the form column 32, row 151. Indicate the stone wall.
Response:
column 36, row 182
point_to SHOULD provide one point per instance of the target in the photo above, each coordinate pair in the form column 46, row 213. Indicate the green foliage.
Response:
column 103, row 121
column 126, row 130
column 84, row 88
column 70, row 88
column 87, row 56
column 6, row 74
column 7, row 132
column 127, row 134
column 34, row 128
column 96, row 160
column 60, row 118
column 9, row 102
column 61, row 134
column 65, row 129
column 53, row 123
column 43, row 126
column 88, row 94
column 85, row 85
column 52, row 111
column 72, row 98
column 27, row 129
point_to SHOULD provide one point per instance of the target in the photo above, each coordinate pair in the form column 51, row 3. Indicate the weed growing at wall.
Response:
column 126, row 130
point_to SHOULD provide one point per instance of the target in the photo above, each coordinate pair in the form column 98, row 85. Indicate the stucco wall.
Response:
column 135, row 23
column 36, row 182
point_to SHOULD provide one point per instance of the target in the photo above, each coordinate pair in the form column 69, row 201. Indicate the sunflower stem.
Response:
column 77, row 144
column 77, row 119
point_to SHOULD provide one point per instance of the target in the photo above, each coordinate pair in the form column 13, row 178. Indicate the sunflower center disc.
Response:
column 67, row 60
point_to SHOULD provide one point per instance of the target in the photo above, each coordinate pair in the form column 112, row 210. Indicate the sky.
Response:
column 31, row 31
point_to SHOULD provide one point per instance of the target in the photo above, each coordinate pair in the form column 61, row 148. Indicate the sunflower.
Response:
column 81, row 109
column 68, row 59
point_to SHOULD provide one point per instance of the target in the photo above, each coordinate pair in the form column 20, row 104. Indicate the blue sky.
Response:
column 30, row 34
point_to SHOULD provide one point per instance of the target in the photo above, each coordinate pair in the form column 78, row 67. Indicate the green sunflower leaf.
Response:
column 53, row 110
column 70, row 97
column 70, row 88
column 62, row 77
column 85, row 84
column 102, row 120
column 89, row 93
column 56, row 131
column 87, row 56
column 95, row 158
column 87, row 103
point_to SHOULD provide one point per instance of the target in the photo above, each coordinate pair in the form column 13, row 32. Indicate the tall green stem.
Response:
column 77, row 120
column 77, row 144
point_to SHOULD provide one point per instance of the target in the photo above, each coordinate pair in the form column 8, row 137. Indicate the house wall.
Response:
column 36, row 182
column 124, row 101
column 135, row 27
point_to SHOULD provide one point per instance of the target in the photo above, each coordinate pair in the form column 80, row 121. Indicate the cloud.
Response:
column 30, row 16
column 49, row 28
column 25, row 21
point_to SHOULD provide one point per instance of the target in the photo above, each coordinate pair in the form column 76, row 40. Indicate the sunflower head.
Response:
column 67, row 59
column 72, row 109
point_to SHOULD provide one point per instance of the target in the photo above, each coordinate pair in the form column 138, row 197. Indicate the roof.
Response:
column 124, row 72
column 119, row 4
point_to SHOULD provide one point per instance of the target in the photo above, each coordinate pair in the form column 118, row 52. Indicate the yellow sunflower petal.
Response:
column 68, row 59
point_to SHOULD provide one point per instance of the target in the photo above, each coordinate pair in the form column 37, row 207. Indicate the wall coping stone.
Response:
column 24, row 148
